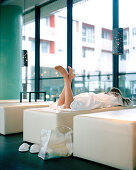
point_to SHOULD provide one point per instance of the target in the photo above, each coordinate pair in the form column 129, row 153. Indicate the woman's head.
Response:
column 116, row 91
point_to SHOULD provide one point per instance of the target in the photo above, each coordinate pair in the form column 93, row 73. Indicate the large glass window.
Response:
column 127, row 69
column 92, row 45
column 53, row 47
column 28, row 52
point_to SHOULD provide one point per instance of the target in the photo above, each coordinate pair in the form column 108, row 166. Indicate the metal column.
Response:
column 37, row 49
column 69, row 32
column 115, row 57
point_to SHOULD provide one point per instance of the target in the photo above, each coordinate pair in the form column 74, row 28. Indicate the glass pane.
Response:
column 92, row 83
column 53, row 88
column 126, row 21
column 53, row 40
column 28, row 52
column 128, row 59
column 53, row 47
column 127, row 83
column 92, row 45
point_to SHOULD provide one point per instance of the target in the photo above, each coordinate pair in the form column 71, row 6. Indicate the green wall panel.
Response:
column 10, row 51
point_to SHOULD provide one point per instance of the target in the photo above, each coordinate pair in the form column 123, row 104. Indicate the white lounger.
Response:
column 9, row 101
column 11, row 114
column 108, row 138
column 36, row 119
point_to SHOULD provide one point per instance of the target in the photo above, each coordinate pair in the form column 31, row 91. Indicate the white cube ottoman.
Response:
column 9, row 101
column 108, row 138
column 36, row 119
column 11, row 115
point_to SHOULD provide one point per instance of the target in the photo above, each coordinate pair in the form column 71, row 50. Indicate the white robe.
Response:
column 87, row 101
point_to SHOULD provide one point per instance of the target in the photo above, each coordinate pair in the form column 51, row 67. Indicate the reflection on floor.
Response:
column 12, row 159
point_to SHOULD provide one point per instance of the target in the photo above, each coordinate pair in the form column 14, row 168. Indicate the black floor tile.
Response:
column 12, row 159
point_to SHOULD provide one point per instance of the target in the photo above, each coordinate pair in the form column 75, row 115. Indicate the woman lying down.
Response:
column 89, row 100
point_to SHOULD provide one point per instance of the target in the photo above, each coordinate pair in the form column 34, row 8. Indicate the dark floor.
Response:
column 12, row 159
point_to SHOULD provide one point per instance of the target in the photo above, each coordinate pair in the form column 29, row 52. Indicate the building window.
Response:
column 32, row 45
column 83, row 52
column 125, row 55
column 45, row 47
column 126, row 36
column 106, row 34
column 88, row 33
column 87, row 52
column 75, row 26
column 46, row 21
column 134, row 48
column 134, row 31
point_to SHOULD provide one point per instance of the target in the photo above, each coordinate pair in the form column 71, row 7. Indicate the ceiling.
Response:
column 25, row 4
column 30, row 4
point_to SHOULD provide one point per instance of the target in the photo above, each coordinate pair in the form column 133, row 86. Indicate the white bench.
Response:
column 9, row 101
column 108, row 138
column 36, row 119
column 11, row 114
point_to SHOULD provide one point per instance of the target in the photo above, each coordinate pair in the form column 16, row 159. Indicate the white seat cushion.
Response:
column 36, row 119
column 11, row 115
column 108, row 138
column 8, row 101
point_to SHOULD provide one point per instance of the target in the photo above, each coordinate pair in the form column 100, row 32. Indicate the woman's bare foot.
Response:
column 61, row 70
column 71, row 74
